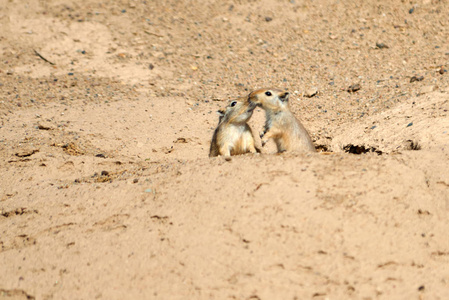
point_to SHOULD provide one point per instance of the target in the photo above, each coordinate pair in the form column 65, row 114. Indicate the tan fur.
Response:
column 281, row 124
column 233, row 136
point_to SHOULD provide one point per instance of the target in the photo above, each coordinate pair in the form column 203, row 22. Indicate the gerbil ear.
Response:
column 221, row 112
column 284, row 97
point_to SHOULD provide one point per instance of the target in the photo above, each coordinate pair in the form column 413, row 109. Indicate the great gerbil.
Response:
column 281, row 124
column 233, row 135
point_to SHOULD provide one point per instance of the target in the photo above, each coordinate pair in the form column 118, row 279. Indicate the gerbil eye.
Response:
column 233, row 103
column 268, row 93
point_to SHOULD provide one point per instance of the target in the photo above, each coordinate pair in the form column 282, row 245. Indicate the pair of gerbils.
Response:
column 233, row 136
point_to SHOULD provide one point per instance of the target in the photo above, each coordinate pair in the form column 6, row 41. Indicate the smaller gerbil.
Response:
column 233, row 136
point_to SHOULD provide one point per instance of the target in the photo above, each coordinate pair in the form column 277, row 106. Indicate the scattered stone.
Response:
column 354, row 88
column 442, row 70
column 70, row 148
column 136, row 180
column 26, row 153
column 410, row 124
column 181, row 140
column 44, row 125
column 151, row 66
column 416, row 78
column 268, row 19
column 427, row 89
column 167, row 150
column 381, row 46
column 311, row 92
column 411, row 145
column 411, row 10
column 104, row 173
column 101, row 155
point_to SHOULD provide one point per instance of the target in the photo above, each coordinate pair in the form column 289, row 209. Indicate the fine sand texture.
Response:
column 107, row 110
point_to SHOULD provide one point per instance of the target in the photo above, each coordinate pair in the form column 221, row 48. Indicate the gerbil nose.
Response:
column 284, row 95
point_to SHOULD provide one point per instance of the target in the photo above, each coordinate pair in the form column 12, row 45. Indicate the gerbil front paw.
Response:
column 262, row 134
column 264, row 142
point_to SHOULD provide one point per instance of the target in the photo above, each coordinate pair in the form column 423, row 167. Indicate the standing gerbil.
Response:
column 233, row 135
column 281, row 124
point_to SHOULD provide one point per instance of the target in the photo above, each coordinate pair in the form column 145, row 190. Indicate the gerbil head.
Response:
column 238, row 111
column 270, row 99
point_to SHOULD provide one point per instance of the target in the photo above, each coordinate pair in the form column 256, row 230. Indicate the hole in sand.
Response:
column 355, row 149
column 322, row 148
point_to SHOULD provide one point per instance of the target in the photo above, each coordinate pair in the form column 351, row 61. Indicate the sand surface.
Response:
column 107, row 109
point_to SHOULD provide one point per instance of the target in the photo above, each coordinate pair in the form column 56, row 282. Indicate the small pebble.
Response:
column 354, row 88
column 409, row 124
column 268, row 19
column 311, row 92
column 44, row 125
column 151, row 66
column 442, row 70
column 411, row 10
column 381, row 46
column 104, row 173
column 148, row 190
column 416, row 78
column 136, row 180
column 70, row 74
column 26, row 153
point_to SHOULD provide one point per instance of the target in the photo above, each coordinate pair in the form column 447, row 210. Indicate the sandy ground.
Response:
column 107, row 109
